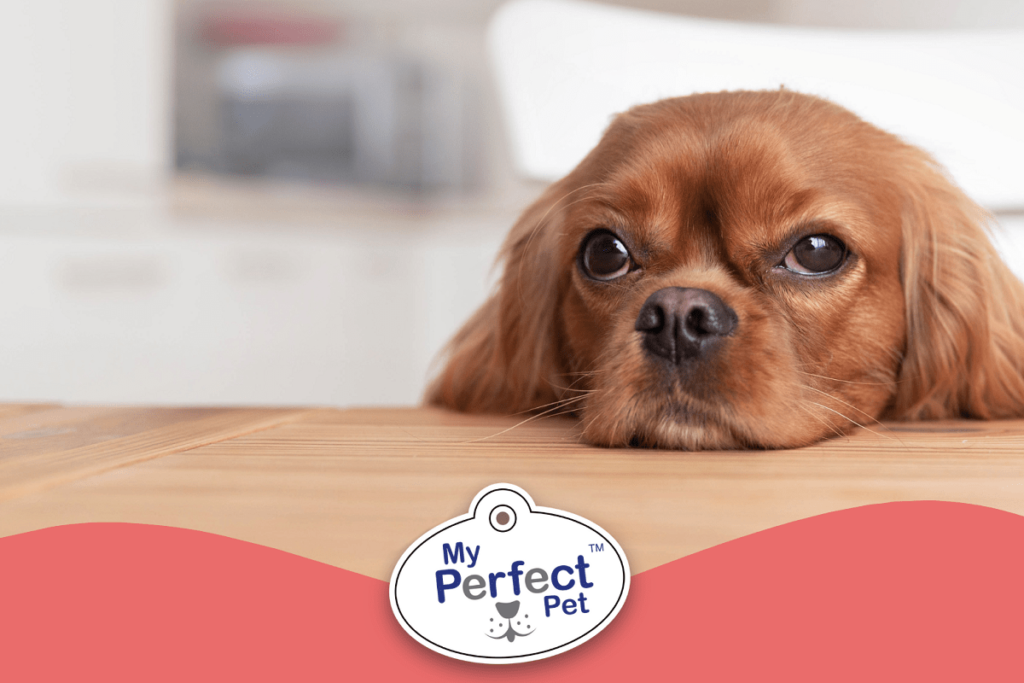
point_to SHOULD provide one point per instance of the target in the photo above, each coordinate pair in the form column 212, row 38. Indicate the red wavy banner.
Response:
column 895, row 592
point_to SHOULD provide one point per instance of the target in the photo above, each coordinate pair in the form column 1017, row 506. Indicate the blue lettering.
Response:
column 494, row 583
column 448, row 552
column 550, row 602
column 554, row 578
column 473, row 556
column 581, row 565
column 442, row 586
column 515, row 573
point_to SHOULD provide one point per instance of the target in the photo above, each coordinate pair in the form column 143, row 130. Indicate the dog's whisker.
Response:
column 578, row 393
column 581, row 391
column 849, row 405
column 558, row 403
column 547, row 413
column 596, row 372
column 852, row 421
column 810, row 413
column 572, row 385
column 849, row 381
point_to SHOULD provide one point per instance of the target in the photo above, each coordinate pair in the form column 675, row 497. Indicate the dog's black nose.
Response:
column 508, row 609
column 680, row 323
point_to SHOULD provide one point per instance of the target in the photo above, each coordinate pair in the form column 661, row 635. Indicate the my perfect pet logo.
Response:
column 509, row 582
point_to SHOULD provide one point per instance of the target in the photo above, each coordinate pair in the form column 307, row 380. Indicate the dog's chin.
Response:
column 659, row 423
column 664, row 424
column 645, row 413
column 696, row 433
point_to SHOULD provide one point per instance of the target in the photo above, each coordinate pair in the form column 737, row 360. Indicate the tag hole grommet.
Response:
column 502, row 518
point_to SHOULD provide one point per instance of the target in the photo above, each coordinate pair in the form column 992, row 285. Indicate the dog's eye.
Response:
column 603, row 256
column 816, row 254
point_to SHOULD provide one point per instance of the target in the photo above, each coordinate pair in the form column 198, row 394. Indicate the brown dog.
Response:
column 745, row 269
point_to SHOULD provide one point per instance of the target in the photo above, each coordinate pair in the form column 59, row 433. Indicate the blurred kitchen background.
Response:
column 209, row 202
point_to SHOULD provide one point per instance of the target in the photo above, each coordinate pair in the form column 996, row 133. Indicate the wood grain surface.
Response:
column 354, row 488
column 42, row 446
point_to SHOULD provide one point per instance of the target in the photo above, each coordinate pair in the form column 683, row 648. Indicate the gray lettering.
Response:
column 535, row 576
column 473, row 583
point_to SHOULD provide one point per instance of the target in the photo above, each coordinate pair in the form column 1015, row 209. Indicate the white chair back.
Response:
column 565, row 67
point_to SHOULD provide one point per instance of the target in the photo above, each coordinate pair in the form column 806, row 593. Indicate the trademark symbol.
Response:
column 596, row 547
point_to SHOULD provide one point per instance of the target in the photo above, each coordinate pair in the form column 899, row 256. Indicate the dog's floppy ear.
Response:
column 505, row 358
column 964, row 309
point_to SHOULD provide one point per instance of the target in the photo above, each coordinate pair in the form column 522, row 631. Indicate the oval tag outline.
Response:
column 453, row 652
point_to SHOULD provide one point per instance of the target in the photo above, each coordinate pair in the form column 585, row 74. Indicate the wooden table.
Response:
column 353, row 488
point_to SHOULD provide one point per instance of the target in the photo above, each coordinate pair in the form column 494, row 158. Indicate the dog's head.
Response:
column 745, row 269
